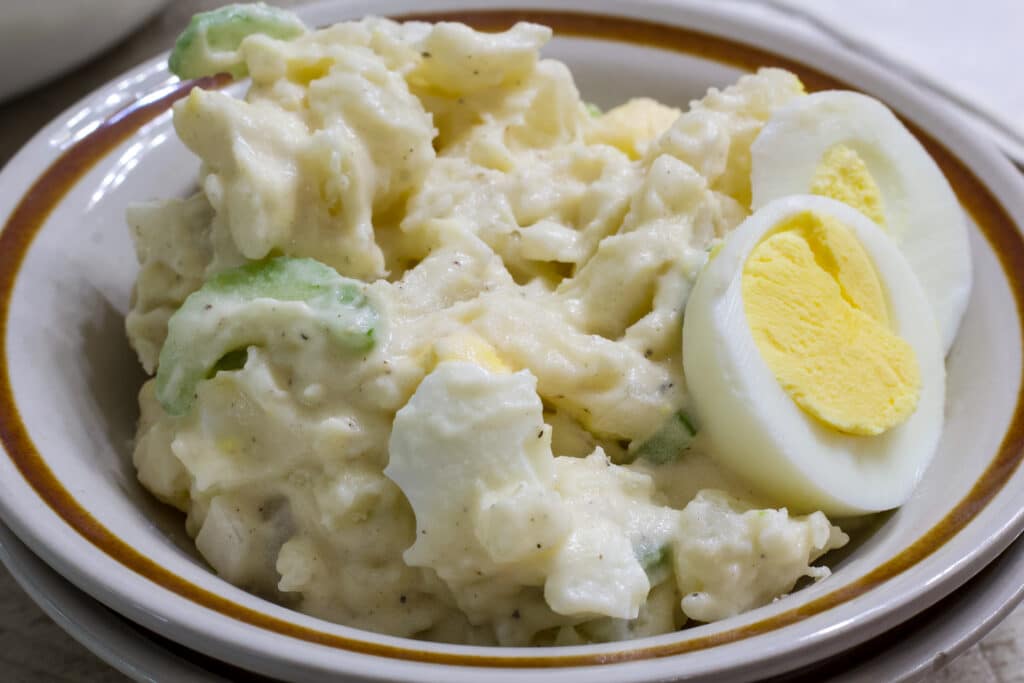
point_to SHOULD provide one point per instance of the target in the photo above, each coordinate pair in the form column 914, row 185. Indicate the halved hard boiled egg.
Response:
column 851, row 148
column 813, row 360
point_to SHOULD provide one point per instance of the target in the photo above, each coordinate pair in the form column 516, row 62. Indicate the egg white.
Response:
column 921, row 211
column 755, row 427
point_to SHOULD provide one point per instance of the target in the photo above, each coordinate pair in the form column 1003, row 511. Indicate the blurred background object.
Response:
column 40, row 39
column 970, row 53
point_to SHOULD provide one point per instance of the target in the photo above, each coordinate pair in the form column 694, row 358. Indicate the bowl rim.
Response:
column 626, row 25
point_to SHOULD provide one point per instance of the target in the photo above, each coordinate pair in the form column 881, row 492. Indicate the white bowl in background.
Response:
column 68, row 378
column 40, row 39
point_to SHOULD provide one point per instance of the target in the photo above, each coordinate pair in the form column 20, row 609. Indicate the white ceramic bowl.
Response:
column 925, row 643
column 40, row 39
column 68, row 379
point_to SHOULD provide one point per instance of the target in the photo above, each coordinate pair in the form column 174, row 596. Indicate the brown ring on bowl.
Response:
column 49, row 189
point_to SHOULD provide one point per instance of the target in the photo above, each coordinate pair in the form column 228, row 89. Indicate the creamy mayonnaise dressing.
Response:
column 473, row 476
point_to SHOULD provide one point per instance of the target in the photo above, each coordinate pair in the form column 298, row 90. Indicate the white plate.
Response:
column 109, row 636
column 907, row 653
column 67, row 379
column 936, row 636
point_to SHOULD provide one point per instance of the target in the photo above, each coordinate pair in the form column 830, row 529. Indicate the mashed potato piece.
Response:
column 473, row 473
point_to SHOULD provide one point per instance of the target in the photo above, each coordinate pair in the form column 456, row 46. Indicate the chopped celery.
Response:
column 669, row 442
column 209, row 43
column 656, row 561
column 232, row 360
column 246, row 306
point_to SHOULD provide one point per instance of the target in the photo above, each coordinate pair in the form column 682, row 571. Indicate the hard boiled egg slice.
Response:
column 813, row 360
column 850, row 147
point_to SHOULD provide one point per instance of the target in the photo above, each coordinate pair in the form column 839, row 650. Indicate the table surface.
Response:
column 35, row 650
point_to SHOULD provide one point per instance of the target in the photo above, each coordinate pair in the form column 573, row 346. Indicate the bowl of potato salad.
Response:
column 626, row 341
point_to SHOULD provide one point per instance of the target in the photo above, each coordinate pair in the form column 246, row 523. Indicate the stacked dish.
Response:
column 69, row 491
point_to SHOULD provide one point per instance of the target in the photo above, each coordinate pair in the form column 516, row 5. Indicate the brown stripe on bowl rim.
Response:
column 50, row 188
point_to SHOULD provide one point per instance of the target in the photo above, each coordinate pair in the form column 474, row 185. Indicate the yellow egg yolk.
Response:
column 469, row 348
column 842, row 175
column 630, row 127
column 819, row 317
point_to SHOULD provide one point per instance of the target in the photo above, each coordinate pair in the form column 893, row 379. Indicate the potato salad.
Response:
column 417, row 341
